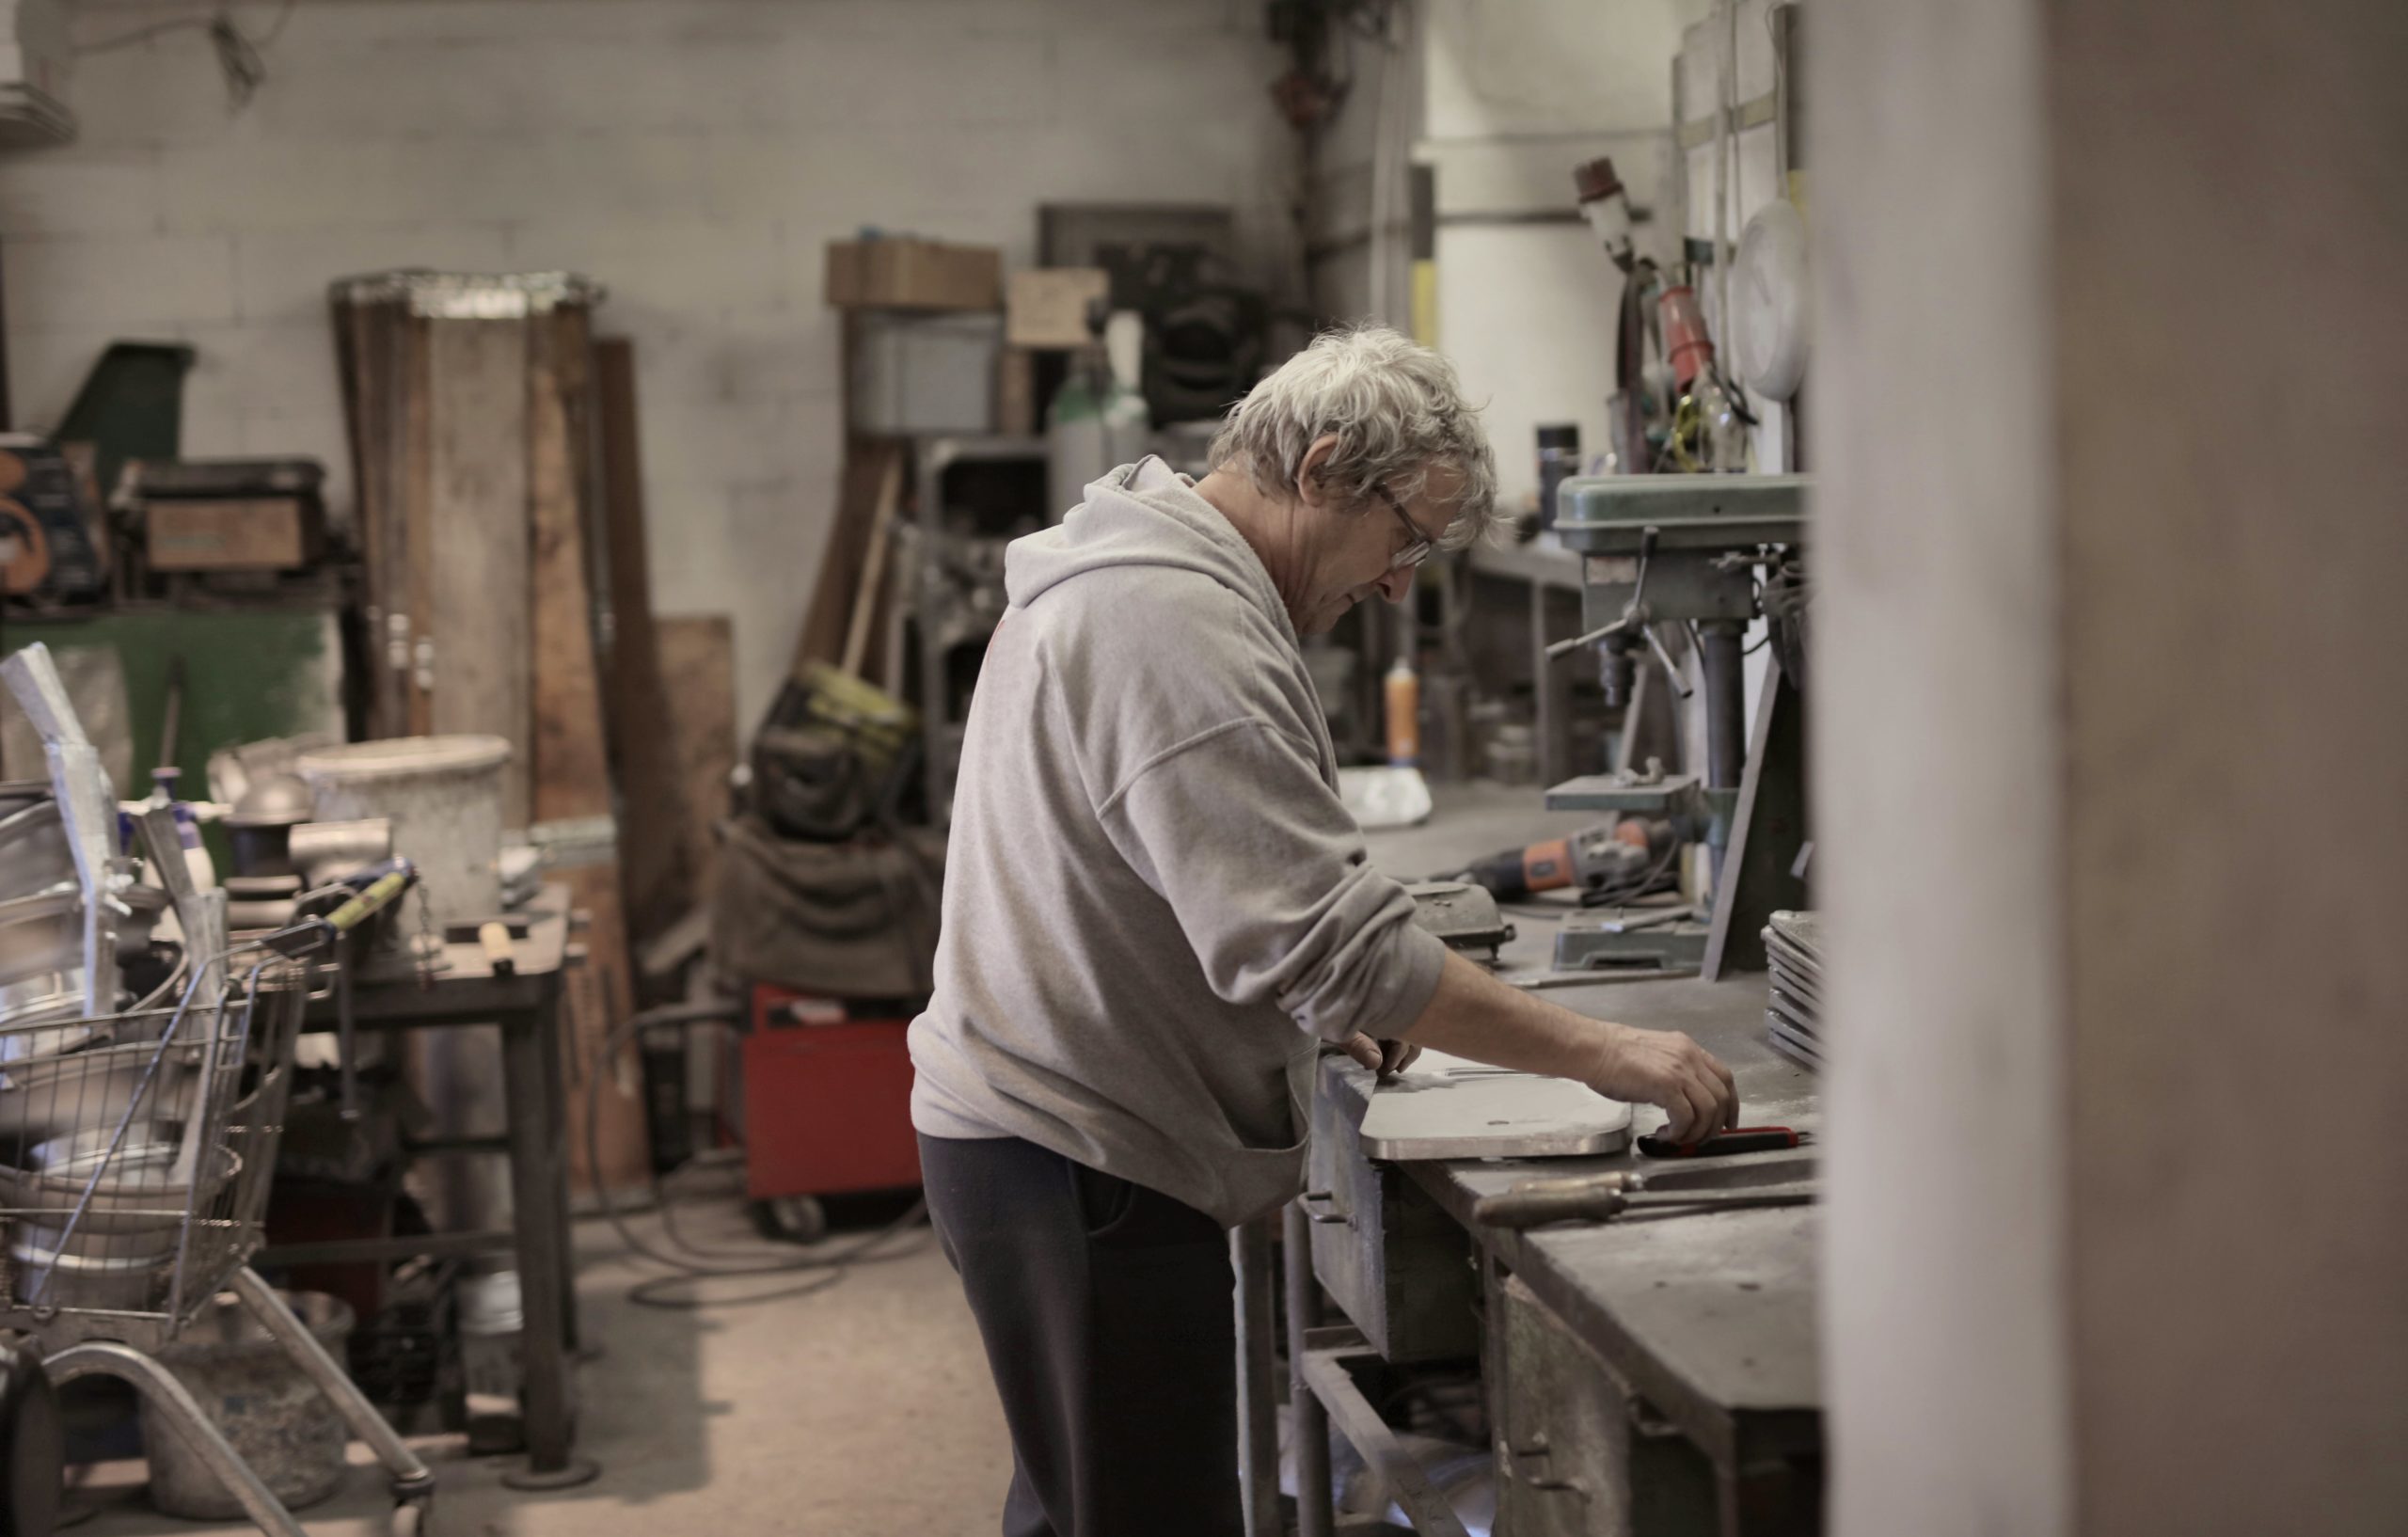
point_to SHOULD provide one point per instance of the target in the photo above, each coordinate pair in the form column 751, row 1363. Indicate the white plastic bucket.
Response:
column 443, row 795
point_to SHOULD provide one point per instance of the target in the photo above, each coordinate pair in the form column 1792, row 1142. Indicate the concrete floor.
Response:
column 863, row 1408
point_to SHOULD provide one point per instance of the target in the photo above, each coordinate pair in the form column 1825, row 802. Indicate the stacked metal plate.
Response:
column 1793, row 1014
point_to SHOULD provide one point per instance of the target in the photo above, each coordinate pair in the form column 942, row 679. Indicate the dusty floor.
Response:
column 864, row 1408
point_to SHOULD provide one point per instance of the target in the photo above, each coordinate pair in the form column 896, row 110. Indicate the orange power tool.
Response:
column 1619, row 858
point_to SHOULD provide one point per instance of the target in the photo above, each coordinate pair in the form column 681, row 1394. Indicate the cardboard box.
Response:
column 904, row 274
column 268, row 533
column 1047, row 307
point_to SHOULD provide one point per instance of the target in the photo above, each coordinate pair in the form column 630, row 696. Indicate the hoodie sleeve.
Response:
column 1237, row 831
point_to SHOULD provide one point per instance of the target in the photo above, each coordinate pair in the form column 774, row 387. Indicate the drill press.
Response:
column 1695, row 554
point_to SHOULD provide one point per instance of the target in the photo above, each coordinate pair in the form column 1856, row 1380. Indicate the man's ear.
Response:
column 1310, row 488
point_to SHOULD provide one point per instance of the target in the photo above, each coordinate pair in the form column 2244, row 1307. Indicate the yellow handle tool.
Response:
column 379, row 894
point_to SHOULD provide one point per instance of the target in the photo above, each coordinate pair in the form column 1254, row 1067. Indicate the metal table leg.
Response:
column 1324, row 1371
column 548, row 1023
column 1251, row 1248
column 538, row 1180
column 1316, row 1512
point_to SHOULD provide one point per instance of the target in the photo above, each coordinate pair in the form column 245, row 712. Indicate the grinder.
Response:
column 1608, row 861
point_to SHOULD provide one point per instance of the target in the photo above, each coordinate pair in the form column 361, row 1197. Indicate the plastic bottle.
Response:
column 197, row 861
column 1722, row 437
column 1403, row 686
column 1097, row 422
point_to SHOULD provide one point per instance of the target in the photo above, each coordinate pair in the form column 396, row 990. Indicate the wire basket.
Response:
column 137, row 1150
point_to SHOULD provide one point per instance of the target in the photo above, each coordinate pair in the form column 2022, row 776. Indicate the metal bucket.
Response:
column 443, row 795
column 273, row 1414
column 34, row 852
column 45, row 1097
column 41, row 935
column 138, row 1192
column 56, row 1002
column 95, row 1272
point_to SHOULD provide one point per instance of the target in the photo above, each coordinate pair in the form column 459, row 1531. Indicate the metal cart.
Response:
column 140, row 1147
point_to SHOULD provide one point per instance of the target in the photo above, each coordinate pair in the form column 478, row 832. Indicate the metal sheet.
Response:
column 1789, row 1042
column 1446, row 1107
column 1799, row 986
column 1802, row 931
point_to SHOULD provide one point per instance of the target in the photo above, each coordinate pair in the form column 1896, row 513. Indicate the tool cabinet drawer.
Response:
column 1400, row 1267
column 1577, row 1454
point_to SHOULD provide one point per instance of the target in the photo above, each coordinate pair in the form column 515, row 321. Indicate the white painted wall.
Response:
column 1518, row 93
column 693, row 155
column 1367, row 141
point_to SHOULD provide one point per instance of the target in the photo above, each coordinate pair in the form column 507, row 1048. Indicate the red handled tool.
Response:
column 1740, row 1139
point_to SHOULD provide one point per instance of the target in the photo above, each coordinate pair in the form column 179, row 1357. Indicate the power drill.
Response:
column 1610, row 862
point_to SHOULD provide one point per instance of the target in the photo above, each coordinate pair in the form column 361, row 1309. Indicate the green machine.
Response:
column 192, row 680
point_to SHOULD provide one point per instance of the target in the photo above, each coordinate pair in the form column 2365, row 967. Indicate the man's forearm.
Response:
column 1471, row 1014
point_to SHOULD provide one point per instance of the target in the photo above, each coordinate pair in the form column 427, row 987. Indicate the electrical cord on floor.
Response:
column 697, row 1266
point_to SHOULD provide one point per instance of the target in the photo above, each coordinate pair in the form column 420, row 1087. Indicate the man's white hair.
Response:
column 1395, row 408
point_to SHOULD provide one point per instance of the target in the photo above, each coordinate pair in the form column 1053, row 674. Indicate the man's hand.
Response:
column 1384, row 1057
column 1473, row 1015
column 1666, row 1068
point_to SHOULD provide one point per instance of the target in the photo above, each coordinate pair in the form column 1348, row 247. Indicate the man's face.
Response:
column 1356, row 549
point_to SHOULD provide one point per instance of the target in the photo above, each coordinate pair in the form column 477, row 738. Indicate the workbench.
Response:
column 1656, row 1373
column 524, row 1003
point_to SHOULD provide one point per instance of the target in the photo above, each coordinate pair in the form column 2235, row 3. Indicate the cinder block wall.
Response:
column 693, row 155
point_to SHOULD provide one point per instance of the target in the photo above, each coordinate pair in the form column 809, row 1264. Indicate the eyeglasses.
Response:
column 1417, row 548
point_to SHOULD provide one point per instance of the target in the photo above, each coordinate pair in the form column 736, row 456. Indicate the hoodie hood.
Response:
column 1145, row 514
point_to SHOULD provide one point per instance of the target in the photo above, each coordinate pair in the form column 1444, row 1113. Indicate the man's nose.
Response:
column 1396, row 584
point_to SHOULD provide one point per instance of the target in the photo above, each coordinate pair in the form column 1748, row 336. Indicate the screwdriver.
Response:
column 1602, row 1196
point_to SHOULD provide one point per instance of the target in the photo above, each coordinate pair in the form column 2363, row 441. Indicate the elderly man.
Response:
column 1156, row 910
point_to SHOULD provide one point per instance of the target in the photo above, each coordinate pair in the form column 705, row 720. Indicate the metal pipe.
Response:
column 1726, row 704
column 1316, row 1515
column 176, row 1404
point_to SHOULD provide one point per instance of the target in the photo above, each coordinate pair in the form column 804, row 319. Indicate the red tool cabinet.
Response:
column 827, row 1100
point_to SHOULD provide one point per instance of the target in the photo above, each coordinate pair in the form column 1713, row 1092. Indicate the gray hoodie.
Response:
column 1155, row 906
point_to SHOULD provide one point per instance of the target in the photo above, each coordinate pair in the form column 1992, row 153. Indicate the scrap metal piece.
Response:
column 87, row 808
column 1446, row 1107
column 467, row 295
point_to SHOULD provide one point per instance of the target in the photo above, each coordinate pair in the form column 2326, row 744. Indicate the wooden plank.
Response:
column 477, row 541
column 697, row 669
column 572, row 771
column 369, row 334
column 413, row 533
column 868, row 593
column 655, row 875
column 841, row 560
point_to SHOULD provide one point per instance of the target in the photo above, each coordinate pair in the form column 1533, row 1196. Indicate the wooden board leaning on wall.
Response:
column 572, row 766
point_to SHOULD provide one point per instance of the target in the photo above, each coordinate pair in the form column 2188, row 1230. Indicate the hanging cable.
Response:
column 697, row 1266
column 237, row 53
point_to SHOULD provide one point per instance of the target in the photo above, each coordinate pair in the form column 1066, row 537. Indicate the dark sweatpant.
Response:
column 1108, row 1314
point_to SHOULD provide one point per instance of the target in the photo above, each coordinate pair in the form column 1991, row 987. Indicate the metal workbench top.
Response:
column 1711, row 1316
